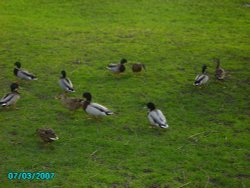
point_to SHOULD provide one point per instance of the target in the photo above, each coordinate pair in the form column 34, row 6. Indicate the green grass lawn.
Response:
column 207, row 144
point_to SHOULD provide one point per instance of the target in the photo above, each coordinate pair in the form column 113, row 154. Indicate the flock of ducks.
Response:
column 155, row 116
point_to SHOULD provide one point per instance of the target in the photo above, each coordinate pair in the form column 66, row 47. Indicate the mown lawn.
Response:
column 207, row 144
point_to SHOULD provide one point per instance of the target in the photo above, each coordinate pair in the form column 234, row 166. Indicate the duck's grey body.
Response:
column 156, row 117
column 97, row 110
column 117, row 68
column 23, row 74
column 65, row 83
column 11, row 98
column 94, row 109
column 202, row 78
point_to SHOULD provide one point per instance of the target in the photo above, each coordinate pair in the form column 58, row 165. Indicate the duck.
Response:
column 94, row 109
column 65, row 82
column 118, row 68
column 137, row 67
column 70, row 103
column 219, row 72
column 47, row 134
column 156, row 117
column 11, row 98
column 201, row 78
column 23, row 74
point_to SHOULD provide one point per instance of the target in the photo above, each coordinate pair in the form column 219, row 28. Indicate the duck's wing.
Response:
column 26, row 75
column 66, row 84
column 157, row 118
column 151, row 119
column 69, row 82
column 220, row 73
column 6, row 97
column 161, row 117
column 200, row 79
column 97, row 109
column 113, row 67
column 9, row 99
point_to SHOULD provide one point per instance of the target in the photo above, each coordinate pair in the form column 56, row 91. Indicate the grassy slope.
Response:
column 173, row 38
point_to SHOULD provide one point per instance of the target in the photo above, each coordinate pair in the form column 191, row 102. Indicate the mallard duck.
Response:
column 137, row 67
column 94, row 109
column 70, row 103
column 201, row 78
column 156, row 117
column 118, row 68
column 65, row 82
column 11, row 98
column 23, row 74
column 219, row 72
column 46, row 134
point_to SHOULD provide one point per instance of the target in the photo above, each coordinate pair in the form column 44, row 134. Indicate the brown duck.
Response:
column 70, row 103
column 137, row 67
column 219, row 72
column 46, row 134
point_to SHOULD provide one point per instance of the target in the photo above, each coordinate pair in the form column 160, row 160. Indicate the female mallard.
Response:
column 137, row 67
column 65, row 83
column 219, row 72
column 11, row 98
column 23, row 74
column 70, row 103
column 47, row 135
column 94, row 109
column 156, row 117
column 118, row 68
column 201, row 78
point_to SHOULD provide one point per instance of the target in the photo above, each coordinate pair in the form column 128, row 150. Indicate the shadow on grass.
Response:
column 45, row 146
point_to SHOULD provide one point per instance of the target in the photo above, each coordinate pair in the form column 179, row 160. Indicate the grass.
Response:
column 207, row 144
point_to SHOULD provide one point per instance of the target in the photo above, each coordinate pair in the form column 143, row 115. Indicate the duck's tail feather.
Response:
column 109, row 113
column 164, row 126
column 71, row 90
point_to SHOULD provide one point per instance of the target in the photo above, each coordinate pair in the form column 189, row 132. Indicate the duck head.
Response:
column 204, row 67
column 123, row 61
column 87, row 96
column 63, row 72
column 217, row 61
column 151, row 106
column 18, row 64
column 14, row 87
